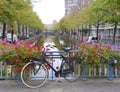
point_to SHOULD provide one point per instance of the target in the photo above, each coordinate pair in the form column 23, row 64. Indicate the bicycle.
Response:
column 35, row 73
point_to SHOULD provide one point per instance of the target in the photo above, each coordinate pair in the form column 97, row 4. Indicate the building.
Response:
column 105, row 31
column 71, row 5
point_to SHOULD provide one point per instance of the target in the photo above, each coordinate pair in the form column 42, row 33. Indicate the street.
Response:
column 91, row 85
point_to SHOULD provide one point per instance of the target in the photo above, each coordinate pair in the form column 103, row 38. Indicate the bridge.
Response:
column 92, row 85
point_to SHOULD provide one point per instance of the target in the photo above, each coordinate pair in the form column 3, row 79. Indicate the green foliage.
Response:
column 18, row 54
column 91, row 54
column 21, row 12
column 41, row 41
column 96, row 13
column 57, row 43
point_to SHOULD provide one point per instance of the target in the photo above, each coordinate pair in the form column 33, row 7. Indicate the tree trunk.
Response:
column 12, row 33
column 82, row 33
column 18, row 31
column 114, row 34
column 4, row 28
column 26, row 31
column 97, row 32
column 89, row 30
column 23, row 30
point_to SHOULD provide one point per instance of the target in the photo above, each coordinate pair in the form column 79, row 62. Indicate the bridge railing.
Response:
column 106, row 71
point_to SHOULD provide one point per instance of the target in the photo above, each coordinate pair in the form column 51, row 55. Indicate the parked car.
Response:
column 92, row 39
column 9, row 37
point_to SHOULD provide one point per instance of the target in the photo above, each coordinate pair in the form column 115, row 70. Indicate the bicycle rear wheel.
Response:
column 71, row 70
column 34, row 74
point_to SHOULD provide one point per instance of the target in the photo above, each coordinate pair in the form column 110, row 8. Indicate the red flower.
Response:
column 35, row 53
column 19, row 69
column 37, row 48
column 28, row 68
column 76, row 57
column 30, row 50
column 101, row 49
column 96, row 56
column 10, row 60
column 93, row 52
column 85, row 55
column 47, row 49
column 20, row 62
column 47, row 67
column 17, row 56
column 12, row 68
column 16, row 48
column 90, row 62
column 16, row 62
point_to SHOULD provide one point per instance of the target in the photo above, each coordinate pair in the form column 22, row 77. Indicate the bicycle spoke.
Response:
column 34, row 75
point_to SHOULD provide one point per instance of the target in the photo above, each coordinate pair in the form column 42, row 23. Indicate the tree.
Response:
column 18, row 12
column 112, row 8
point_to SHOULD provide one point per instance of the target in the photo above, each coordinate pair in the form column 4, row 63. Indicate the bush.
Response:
column 19, row 53
column 90, row 54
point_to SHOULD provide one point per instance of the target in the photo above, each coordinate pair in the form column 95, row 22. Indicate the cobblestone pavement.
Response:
column 91, row 85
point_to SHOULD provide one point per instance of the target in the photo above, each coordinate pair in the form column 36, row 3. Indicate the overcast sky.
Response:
column 50, row 10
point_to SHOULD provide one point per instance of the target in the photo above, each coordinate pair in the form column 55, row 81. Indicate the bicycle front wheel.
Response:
column 71, row 70
column 34, row 74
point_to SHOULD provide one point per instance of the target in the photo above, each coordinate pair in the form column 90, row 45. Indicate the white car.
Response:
column 9, row 37
column 92, row 39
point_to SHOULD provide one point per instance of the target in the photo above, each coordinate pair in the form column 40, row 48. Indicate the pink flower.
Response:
column 109, row 46
column 97, row 45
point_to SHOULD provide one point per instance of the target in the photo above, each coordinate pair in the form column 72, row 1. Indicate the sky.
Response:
column 49, row 10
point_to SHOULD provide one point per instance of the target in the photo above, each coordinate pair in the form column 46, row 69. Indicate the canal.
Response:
column 55, row 61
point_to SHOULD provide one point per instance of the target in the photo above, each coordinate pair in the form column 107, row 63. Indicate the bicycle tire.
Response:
column 34, row 74
column 74, row 68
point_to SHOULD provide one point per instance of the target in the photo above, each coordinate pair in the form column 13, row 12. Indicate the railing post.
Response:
column 18, row 77
column 1, row 69
column 105, row 71
column 94, row 71
column 100, row 71
column 116, row 73
column 90, row 71
column 84, row 73
column 110, row 77
column 52, row 66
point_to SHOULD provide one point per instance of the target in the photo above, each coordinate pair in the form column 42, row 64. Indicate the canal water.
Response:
column 55, row 62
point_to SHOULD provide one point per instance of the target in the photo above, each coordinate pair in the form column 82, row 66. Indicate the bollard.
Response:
column 84, row 73
column 110, row 77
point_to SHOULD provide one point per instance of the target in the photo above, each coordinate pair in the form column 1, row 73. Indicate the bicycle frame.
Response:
column 57, row 72
column 65, row 58
column 66, row 69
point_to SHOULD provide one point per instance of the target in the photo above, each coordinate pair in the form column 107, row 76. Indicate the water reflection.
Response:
column 55, row 62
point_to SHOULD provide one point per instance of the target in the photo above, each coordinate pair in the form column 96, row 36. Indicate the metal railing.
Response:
column 106, row 71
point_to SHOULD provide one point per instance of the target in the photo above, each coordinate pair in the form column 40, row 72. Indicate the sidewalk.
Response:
column 91, row 85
